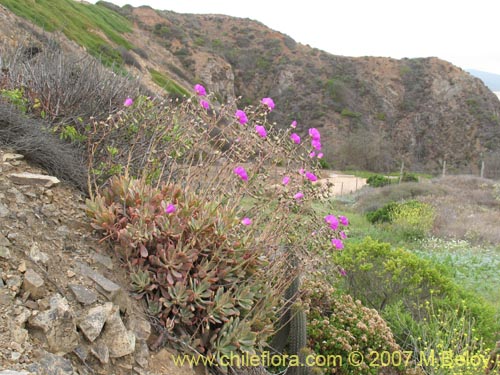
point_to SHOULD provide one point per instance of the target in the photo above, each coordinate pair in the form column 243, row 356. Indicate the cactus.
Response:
column 298, row 339
column 292, row 326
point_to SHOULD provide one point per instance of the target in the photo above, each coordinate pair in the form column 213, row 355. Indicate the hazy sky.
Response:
column 464, row 32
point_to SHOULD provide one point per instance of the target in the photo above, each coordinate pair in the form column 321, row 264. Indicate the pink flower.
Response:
column 344, row 221
column 332, row 221
column 339, row 245
column 285, row 180
column 320, row 155
column 170, row 209
column 311, row 177
column 316, row 144
column 261, row 131
column 314, row 134
column 312, row 154
column 293, row 124
column 269, row 102
column 298, row 196
column 302, row 171
column 240, row 171
column 343, row 235
column 128, row 102
column 200, row 90
column 295, row 138
column 246, row 221
column 241, row 116
column 342, row 272
column 204, row 104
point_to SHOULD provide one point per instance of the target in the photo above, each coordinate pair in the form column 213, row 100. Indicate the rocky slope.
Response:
column 65, row 306
column 374, row 112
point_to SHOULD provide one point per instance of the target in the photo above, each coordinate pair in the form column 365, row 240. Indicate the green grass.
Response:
column 475, row 268
column 78, row 22
column 168, row 84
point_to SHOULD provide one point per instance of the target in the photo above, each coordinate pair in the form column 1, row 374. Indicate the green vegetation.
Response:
column 78, row 22
column 378, row 180
column 169, row 85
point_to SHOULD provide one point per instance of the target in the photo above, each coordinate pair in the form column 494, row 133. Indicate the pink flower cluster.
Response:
column 201, row 91
column 334, row 222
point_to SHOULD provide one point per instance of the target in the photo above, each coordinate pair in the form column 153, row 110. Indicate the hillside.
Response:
column 374, row 112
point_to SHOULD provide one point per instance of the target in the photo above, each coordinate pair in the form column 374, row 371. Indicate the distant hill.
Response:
column 491, row 80
column 373, row 112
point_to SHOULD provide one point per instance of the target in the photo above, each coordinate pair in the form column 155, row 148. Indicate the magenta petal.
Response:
column 299, row 195
column 295, row 138
column 269, row 102
column 246, row 221
column 339, row 245
column 241, row 116
column 200, row 90
column 285, row 180
column 311, row 177
column 128, row 102
column 170, row 209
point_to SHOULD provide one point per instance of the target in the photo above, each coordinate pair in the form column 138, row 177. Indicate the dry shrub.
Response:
column 32, row 139
column 62, row 87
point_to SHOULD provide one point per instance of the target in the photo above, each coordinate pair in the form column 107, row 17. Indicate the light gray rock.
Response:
column 142, row 353
column 4, row 241
column 140, row 326
column 27, row 178
column 4, row 211
column 34, row 284
column 101, row 352
column 116, row 337
column 104, row 260
column 83, row 295
column 107, row 286
column 4, row 252
column 8, row 156
column 92, row 323
column 50, row 364
column 58, row 325
column 12, row 372
column 37, row 255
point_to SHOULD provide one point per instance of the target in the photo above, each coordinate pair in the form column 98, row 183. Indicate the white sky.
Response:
column 464, row 32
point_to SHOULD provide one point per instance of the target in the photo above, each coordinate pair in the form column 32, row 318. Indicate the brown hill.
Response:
column 373, row 112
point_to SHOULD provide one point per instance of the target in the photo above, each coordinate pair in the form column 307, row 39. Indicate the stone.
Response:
column 34, row 284
column 8, row 156
column 37, row 255
column 116, row 337
column 14, row 356
column 12, row 372
column 107, row 286
column 142, row 354
column 58, row 325
column 22, row 315
column 4, row 252
column 4, row 241
column 104, row 260
column 4, row 211
column 101, row 352
column 27, row 178
column 14, row 282
column 83, row 295
column 92, row 323
column 22, row 267
column 50, row 364
column 141, row 327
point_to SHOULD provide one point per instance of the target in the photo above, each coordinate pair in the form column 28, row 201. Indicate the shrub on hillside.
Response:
column 382, row 277
column 378, row 180
column 340, row 325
